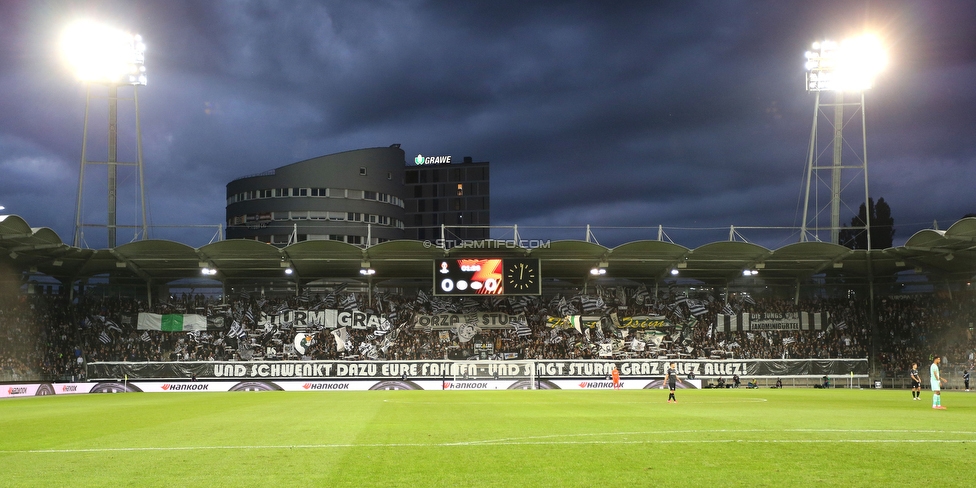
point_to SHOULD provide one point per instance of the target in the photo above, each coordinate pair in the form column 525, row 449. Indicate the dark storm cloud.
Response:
column 614, row 114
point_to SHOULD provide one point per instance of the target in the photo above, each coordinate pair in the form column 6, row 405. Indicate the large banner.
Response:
column 770, row 321
column 172, row 322
column 462, row 369
column 577, row 322
column 330, row 319
column 592, row 321
column 485, row 320
column 645, row 322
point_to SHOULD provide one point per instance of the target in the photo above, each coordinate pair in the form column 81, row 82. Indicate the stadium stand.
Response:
column 48, row 337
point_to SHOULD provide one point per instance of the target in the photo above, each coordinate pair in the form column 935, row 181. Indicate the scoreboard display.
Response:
column 487, row 276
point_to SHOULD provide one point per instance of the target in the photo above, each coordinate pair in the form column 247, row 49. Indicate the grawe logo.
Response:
column 67, row 388
column 17, row 390
column 421, row 159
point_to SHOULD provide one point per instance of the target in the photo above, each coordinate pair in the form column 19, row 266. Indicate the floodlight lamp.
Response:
column 101, row 54
column 367, row 271
column 289, row 271
column 674, row 271
column 849, row 66
column 598, row 271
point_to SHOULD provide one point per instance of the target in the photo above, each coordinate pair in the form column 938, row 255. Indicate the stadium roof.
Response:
column 949, row 254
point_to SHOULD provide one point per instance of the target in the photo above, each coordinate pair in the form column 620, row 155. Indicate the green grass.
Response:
column 511, row 439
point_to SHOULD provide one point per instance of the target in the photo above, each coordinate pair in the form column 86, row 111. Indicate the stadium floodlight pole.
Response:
column 102, row 55
column 840, row 68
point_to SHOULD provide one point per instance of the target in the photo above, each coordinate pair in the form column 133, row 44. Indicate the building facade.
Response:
column 356, row 197
column 455, row 195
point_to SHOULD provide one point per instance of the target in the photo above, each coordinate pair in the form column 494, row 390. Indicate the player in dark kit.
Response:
column 965, row 378
column 671, row 378
column 916, row 382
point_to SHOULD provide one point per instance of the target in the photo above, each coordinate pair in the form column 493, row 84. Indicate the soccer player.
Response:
column 965, row 378
column 936, row 383
column 916, row 383
column 671, row 378
column 616, row 378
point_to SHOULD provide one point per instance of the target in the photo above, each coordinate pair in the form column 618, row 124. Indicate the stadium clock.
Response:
column 521, row 276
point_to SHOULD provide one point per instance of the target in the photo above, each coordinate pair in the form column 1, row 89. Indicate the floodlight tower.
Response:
column 113, row 58
column 844, row 70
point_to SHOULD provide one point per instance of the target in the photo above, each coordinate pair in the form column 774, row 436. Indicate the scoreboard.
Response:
column 487, row 276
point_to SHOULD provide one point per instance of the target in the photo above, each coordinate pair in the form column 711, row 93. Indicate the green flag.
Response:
column 172, row 322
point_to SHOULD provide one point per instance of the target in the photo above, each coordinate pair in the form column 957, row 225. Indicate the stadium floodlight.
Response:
column 850, row 66
column 102, row 54
column 845, row 70
column 367, row 271
column 99, row 54
column 598, row 271
column 674, row 271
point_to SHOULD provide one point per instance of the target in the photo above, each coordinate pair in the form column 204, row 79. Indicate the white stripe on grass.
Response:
column 555, row 440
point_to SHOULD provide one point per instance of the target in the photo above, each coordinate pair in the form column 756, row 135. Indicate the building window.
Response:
column 460, row 189
column 362, row 171
column 411, row 177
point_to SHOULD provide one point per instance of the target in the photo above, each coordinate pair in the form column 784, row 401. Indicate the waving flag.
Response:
column 172, row 322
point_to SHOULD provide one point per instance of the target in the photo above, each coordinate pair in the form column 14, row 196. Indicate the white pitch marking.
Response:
column 542, row 440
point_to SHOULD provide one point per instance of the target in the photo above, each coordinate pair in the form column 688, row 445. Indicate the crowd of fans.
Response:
column 45, row 336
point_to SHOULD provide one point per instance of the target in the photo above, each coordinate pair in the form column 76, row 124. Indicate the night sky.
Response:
column 687, row 114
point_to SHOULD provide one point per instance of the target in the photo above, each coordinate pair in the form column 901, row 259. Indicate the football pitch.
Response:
column 790, row 437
